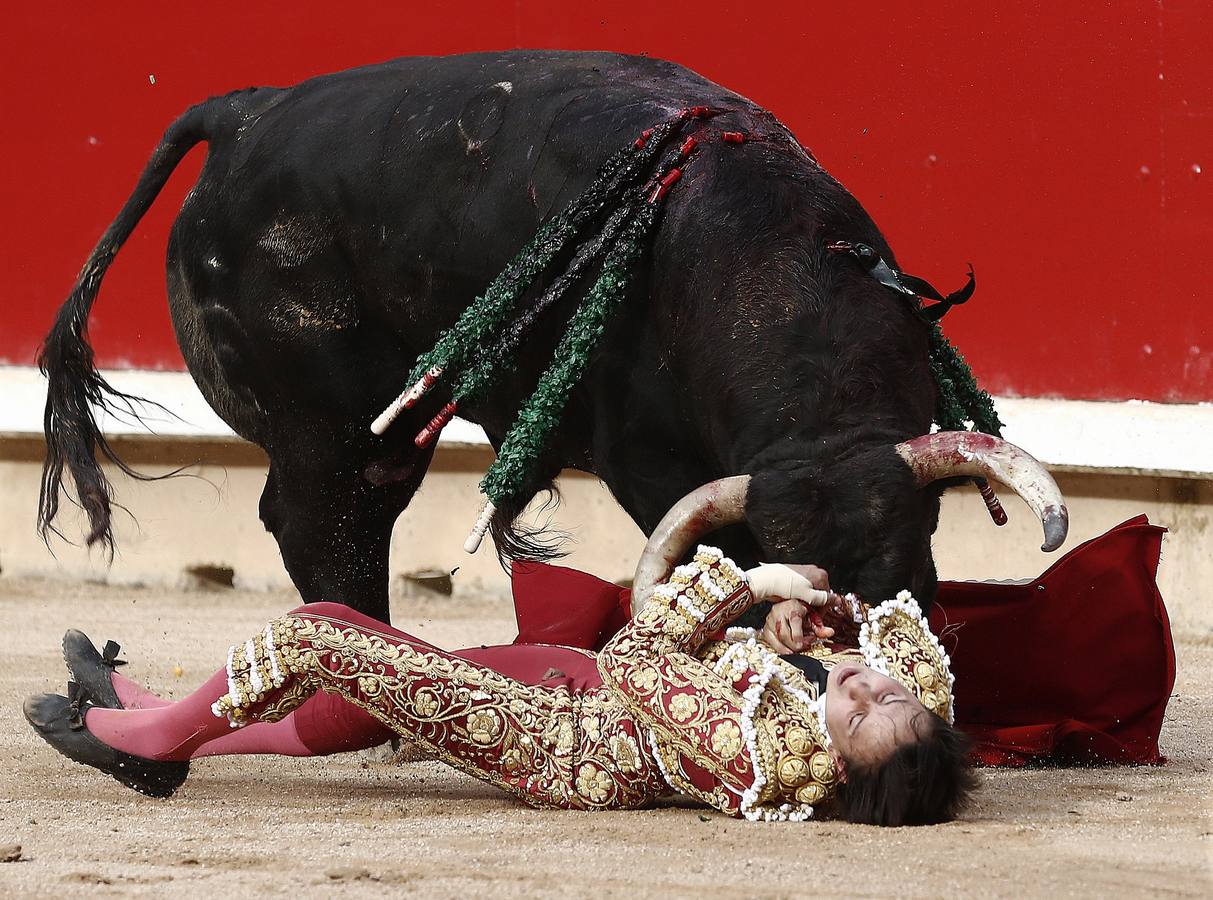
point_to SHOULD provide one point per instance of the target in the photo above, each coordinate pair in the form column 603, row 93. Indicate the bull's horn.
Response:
column 948, row 454
column 716, row 504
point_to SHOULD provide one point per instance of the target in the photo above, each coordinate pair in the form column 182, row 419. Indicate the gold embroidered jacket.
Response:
column 734, row 726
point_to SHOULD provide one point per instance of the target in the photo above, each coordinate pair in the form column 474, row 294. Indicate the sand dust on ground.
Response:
column 356, row 826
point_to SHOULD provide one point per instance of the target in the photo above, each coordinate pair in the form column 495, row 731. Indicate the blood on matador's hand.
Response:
column 840, row 617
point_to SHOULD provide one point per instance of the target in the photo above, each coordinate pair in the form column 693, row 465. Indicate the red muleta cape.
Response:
column 1073, row 667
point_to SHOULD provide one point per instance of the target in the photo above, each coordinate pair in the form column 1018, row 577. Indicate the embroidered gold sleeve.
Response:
column 699, row 599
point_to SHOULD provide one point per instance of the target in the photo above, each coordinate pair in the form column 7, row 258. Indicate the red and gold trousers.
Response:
column 553, row 738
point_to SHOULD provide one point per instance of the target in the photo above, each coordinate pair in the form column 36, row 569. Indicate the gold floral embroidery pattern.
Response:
column 804, row 769
column 546, row 745
column 286, row 702
column 695, row 706
column 726, row 740
column 694, row 713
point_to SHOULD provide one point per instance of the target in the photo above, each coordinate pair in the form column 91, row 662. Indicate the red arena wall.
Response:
column 1060, row 151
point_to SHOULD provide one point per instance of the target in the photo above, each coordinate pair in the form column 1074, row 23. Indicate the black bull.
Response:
column 339, row 225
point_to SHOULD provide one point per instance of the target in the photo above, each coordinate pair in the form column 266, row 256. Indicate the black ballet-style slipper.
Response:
column 60, row 721
column 91, row 670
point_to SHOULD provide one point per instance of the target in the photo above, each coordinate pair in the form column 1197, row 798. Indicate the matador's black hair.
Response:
column 923, row 783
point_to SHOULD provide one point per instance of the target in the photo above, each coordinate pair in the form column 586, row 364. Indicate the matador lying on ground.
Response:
column 663, row 707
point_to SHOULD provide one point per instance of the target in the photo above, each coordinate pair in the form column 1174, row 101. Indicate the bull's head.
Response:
column 791, row 513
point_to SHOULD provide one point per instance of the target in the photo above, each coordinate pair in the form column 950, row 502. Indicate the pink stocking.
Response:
column 134, row 695
column 324, row 724
column 278, row 738
column 171, row 732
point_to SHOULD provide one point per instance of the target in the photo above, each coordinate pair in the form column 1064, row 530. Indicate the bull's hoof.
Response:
column 60, row 722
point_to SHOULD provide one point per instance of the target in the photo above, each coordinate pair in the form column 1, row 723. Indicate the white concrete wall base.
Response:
column 210, row 519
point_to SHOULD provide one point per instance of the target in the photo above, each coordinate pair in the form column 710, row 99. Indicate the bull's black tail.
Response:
column 75, row 389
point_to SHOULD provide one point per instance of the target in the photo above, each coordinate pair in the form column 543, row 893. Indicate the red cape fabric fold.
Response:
column 1075, row 666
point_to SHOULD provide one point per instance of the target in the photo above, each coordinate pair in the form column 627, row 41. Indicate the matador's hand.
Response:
column 793, row 622
column 774, row 582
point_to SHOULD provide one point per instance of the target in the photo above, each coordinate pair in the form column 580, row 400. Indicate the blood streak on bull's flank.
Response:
column 971, row 133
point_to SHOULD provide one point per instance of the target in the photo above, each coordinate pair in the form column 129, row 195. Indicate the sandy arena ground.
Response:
column 355, row 826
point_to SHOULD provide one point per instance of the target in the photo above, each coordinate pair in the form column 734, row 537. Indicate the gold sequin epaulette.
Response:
column 896, row 640
column 701, row 585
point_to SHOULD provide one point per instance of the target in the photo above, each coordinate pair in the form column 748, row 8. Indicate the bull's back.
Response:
column 469, row 150
column 392, row 193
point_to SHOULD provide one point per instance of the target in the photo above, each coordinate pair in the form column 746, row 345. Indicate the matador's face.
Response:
column 869, row 715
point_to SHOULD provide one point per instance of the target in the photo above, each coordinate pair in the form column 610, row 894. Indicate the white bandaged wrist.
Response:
column 775, row 581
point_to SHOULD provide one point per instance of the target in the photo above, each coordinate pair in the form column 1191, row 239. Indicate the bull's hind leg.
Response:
column 270, row 318
column 334, row 526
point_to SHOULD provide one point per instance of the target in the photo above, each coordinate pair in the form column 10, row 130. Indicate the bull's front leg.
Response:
column 333, row 525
